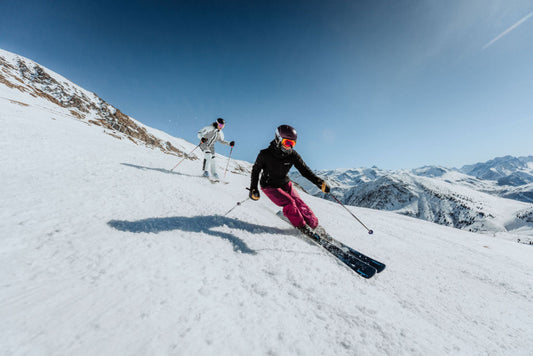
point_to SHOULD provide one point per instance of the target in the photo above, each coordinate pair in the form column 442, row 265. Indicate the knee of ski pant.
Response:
column 286, row 202
column 294, row 216
column 291, row 208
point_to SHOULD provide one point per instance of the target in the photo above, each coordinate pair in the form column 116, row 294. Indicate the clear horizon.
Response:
column 396, row 85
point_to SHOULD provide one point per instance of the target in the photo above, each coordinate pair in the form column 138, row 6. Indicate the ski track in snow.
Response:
column 105, row 251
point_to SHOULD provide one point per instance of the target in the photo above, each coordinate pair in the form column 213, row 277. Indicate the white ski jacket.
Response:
column 212, row 134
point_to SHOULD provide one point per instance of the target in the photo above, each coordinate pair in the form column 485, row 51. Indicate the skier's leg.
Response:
column 211, row 164
column 213, row 167
column 303, row 208
column 283, row 199
column 207, row 162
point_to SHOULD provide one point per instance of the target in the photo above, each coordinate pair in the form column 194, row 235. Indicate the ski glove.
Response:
column 204, row 140
column 232, row 143
column 324, row 186
column 254, row 194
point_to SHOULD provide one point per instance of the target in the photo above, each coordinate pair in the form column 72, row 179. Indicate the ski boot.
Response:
column 306, row 230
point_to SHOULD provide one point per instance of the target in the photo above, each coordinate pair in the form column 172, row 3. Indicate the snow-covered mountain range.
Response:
column 513, row 176
column 506, row 170
column 105, row 251
column 446, row 196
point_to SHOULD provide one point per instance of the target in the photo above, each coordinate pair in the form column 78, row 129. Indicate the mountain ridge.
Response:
column 438, row 194
column 27, row 76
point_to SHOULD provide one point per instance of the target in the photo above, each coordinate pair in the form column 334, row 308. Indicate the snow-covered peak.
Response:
column 352, row 175
column 500, row 167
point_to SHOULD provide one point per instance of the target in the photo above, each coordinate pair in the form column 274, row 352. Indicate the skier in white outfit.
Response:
column 208, row 136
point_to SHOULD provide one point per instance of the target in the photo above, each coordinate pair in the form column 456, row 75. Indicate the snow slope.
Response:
column 104, row 251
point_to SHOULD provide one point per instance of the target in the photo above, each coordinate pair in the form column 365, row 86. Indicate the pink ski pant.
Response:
column 294, row 207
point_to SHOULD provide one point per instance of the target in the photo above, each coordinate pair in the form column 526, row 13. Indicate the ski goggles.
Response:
column 288, row 143
column 220, row 126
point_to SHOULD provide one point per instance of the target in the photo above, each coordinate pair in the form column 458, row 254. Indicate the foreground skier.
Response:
column 208, row 136
column 275, row 162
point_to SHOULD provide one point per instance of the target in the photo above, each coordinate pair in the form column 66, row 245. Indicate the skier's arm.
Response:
column 256, row 169
column 221, row 139
column 203, row 132
column 308, row 173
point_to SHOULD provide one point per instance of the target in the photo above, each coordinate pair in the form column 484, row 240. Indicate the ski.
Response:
column 356, row 265
column 379, row 266
column 360, row 263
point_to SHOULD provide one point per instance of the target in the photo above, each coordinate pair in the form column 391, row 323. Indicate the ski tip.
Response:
column 370, row 232
column 378, row 266
column 366, row 272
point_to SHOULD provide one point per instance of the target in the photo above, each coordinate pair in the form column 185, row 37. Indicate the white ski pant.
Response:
column 209, row 162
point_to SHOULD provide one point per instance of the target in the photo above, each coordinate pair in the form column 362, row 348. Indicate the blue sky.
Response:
column 395, row 84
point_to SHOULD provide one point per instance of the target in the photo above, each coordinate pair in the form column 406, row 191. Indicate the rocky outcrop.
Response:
column 33, row 79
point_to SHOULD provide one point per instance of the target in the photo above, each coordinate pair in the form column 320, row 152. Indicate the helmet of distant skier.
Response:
column 219, row 123
column 286, row 136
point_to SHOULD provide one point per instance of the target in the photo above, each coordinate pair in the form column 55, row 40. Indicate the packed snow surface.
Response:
column 104, row 251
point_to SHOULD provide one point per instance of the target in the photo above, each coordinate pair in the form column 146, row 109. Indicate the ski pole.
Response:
column 236, row 205
column 186, row 155
column 370, row 232
column 227, row 164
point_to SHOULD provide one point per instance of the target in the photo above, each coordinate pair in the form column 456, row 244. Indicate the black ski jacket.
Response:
column 275, row 164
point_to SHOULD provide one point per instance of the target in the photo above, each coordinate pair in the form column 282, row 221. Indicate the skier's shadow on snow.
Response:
column 162, row 170
column 202, row 224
